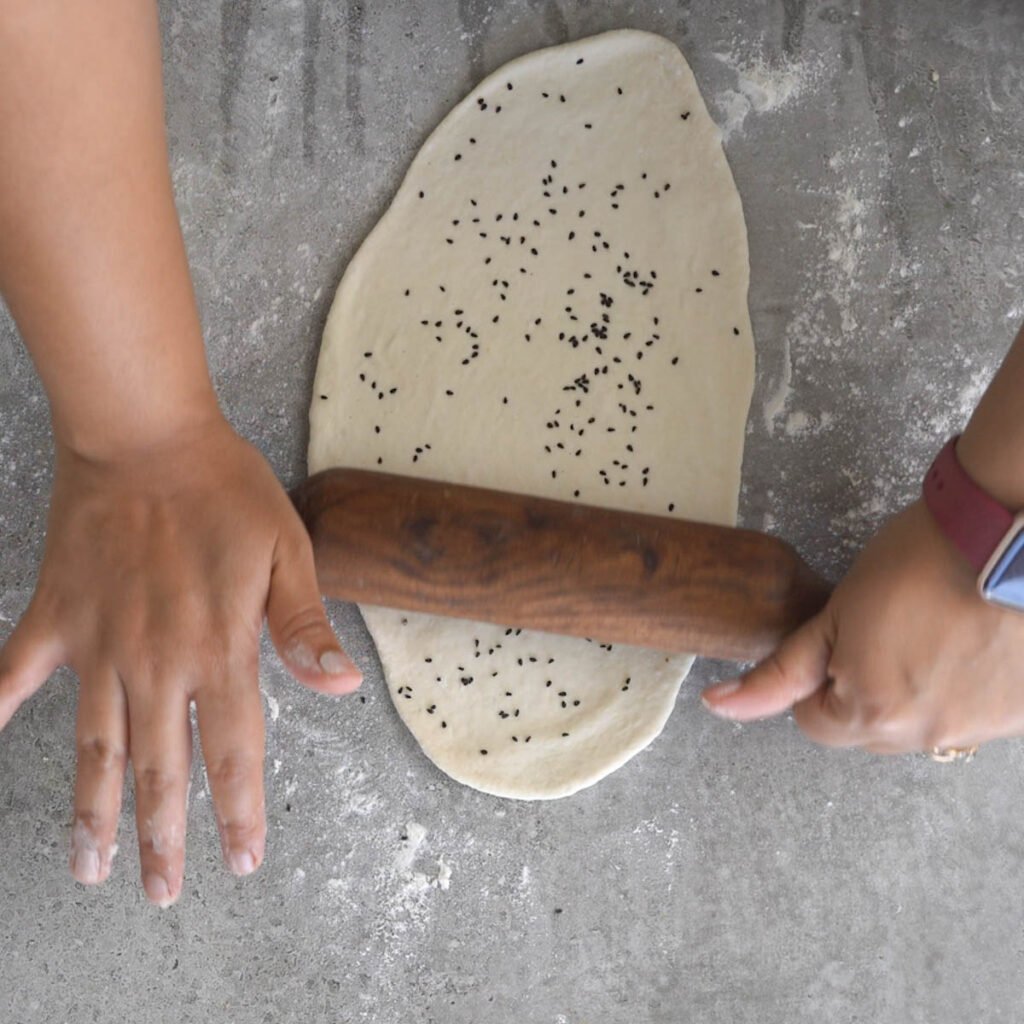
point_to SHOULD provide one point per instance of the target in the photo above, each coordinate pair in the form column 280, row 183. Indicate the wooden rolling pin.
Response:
column 616, row 577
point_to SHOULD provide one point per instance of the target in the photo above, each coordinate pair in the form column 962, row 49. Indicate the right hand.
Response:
column 906, row 656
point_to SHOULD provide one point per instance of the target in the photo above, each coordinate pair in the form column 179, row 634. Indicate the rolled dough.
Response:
column 554, row 304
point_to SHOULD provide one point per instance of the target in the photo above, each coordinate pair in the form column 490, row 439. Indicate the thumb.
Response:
column 298, row 624
column 788, row 675
column 31, row 654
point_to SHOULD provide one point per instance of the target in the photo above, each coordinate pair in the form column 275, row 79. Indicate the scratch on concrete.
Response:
column 474, row 21
column 556, row 28
column 794, row 13
column 354, row 74
column 310, row 47
column 235, row 20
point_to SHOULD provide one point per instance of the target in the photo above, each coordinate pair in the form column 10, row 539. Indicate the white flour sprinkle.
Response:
column 273, row 707
column 411, row 843
column 760, row 88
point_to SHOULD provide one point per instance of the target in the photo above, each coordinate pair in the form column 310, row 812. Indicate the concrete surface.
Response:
column 727, row 874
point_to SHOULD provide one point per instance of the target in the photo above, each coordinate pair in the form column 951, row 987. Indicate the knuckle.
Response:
column 304, row 621
column 232, row 771
column 872, row 714
column 775, row 678
column 89, row 822
column 295, row 546
column 885, row 720
column 160, row 843
column 155, row 782
column 237, row 830
column 834, row 701
column 101, row 754
column 773, row 668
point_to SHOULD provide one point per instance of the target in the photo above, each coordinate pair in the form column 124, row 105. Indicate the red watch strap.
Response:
column 970, row 517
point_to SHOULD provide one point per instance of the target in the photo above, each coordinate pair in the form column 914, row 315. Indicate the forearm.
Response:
column 92, row 263
column 992, row 446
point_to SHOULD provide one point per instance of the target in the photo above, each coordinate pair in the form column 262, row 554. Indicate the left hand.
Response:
column 906, row 655
column 160, row 567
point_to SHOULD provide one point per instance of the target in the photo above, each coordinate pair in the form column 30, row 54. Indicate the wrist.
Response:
column 130, row 432
column 987, row 534
column 996, row 465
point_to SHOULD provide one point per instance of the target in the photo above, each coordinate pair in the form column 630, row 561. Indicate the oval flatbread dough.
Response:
column 554, row 304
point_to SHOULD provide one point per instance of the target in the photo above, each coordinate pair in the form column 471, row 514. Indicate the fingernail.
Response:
column 242, row 862
column 334, row 663
column 85, row 866
column 300, row 655
column 721, row 690
column 157, row 889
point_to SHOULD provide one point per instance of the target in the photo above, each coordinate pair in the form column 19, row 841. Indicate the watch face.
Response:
column 1004, row 583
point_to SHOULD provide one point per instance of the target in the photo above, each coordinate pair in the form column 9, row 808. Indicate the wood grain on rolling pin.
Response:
column 615, row 577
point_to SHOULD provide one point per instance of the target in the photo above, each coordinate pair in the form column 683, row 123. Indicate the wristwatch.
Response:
column 989, row 535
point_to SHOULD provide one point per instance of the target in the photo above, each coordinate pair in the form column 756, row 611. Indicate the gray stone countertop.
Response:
column 726, row 874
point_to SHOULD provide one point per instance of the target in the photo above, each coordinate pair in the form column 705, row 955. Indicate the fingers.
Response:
column 791, row 674
column 231, row 732
column 102, row 739
column 299, row 627
column 161, row 751
column 31, row 654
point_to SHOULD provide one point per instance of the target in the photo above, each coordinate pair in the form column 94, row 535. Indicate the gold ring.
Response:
column 947, row 755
